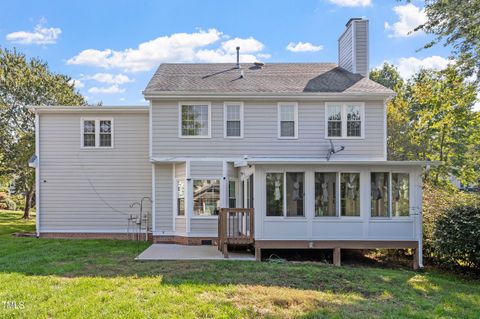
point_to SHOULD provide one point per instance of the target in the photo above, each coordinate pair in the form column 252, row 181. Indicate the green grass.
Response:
column 53, row 278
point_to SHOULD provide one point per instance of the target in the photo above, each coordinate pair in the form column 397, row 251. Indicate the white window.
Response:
column 233, row 116
column 287, row 120
column 390, row 194
column 326, row 195
column 285, row 194
column 194, row 120
column 206, row 197
column 96, row 133
column 232, row 193
column 181, row 198
column 350, row 194
column 344, row 120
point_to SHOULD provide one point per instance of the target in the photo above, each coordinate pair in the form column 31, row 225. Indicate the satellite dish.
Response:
column 332, row 150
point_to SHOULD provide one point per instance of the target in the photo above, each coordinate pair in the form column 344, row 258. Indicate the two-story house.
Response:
column 301, row 145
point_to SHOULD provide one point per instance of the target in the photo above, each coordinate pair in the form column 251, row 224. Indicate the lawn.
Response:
column 52, row 278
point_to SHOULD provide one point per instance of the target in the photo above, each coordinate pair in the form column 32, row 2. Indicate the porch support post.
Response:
column 336, row 257
column 416, row 258
column 258, row 254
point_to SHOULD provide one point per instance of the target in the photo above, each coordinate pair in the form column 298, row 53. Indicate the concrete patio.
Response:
column 184, row 252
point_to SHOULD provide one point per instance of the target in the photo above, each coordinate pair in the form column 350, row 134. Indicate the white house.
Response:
column 303, row 144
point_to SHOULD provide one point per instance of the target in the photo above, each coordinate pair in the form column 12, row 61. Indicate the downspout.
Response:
column 37, row 173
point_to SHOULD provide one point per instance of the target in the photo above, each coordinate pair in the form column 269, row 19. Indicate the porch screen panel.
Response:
column 274, row 190
column 325, row 194
column 295, row 194
column 379, row 194
column 400, row 194
column 350, row 194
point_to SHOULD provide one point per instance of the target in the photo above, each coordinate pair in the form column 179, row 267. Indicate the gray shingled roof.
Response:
column 272, row 78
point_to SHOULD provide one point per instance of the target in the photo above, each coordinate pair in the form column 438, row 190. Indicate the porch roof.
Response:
column 324, row 161
column 244, row 161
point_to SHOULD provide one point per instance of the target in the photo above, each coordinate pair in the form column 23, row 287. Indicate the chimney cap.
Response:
column 353, row 19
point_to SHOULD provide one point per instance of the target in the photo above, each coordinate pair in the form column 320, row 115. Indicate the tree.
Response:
column 25, row 82
column 456, row 23
column 431, row 118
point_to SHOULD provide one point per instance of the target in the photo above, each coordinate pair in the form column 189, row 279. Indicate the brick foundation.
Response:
column 116, row 236
column 182, row 240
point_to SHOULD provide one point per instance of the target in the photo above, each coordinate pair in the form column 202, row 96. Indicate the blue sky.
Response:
column 112, row 48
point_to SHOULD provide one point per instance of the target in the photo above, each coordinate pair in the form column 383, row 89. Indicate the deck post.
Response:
column 336, row 256
column 416, row 258
column 258, row 254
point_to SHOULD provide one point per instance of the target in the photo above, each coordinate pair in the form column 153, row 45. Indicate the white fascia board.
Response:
column 267, row 96
column 323, row 161
column 83, row 109
column 193, row 159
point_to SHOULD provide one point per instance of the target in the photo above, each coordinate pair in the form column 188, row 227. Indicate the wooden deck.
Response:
column 235, row 227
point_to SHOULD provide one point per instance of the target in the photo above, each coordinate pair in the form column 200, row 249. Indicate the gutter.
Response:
column 166, row 95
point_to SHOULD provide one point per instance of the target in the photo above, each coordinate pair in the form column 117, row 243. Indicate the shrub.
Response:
column 437, row 201
column 457, row 236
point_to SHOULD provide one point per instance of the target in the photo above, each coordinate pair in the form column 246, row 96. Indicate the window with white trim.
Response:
column 232, row 194
column 344, row 120
column 97, row 133
column 195, row 120
column 325, row 194
column 350, row 194
column 206, row 197
column 285, row 194
column 233, row 115
column 181, row 198
column 287, row 120
column 390, row 194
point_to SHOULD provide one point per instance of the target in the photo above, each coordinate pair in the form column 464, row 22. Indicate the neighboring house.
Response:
column 303, row 144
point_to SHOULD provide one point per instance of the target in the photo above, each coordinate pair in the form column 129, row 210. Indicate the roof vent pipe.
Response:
column 238, row 58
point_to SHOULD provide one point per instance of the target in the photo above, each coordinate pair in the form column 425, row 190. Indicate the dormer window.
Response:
column 344, row 120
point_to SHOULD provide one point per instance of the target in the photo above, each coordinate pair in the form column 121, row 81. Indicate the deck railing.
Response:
column 235, row 227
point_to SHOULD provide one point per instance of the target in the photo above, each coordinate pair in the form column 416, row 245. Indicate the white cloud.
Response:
column 178, row 47
column 409, row 66
column 40, row 35
column 249, row 45
column 303, row 47
column 409, row 17
column 77, row 83
column 110, row 78
column 351, row 3
column 106, row 90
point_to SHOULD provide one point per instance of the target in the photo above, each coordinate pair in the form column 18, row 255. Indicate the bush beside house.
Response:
column 451, row 227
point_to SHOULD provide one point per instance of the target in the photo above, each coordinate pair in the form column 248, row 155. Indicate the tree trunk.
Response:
column 28, row 203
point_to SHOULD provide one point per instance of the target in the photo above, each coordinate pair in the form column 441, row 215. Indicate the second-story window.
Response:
column 233, row 115
column 287, row 120
column 195, row 120
column 97, row 133
column 344, row 120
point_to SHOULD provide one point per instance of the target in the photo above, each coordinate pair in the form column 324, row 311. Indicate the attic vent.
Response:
column 259, row 64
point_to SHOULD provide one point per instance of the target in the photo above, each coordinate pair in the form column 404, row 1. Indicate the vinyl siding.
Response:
column 345, row 54
column 90, row 190
column 206, row 169
column 206, row 227
column 180, row 225
column 261, row 133
column 164, row 197
column 180, row 170
column 361, row 47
